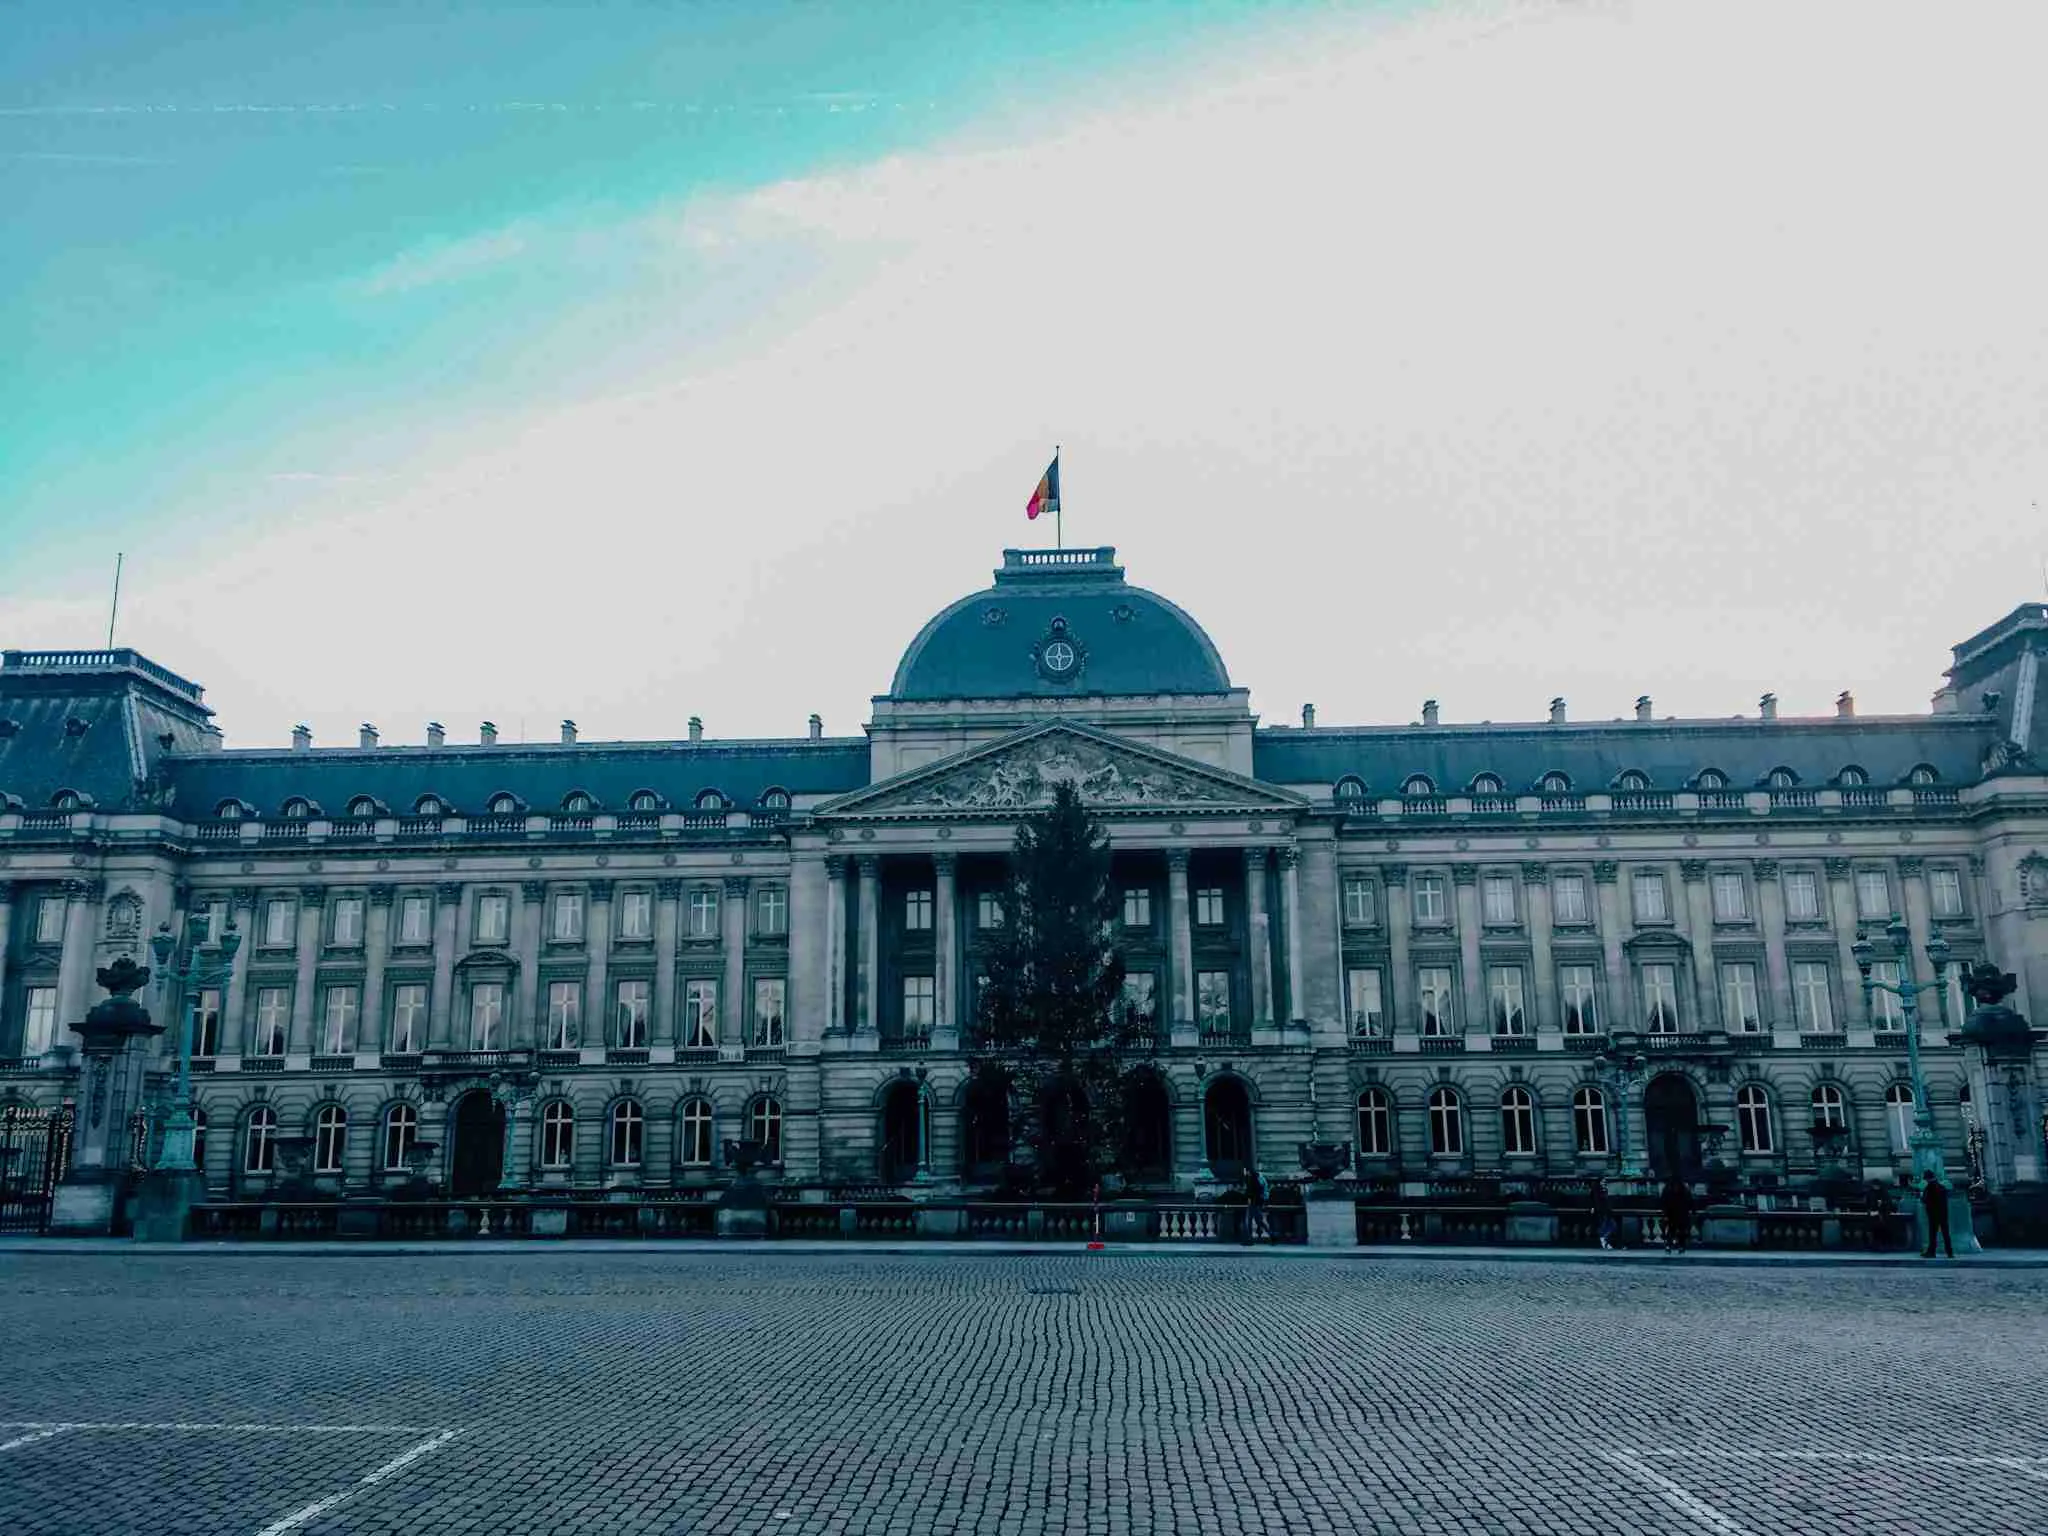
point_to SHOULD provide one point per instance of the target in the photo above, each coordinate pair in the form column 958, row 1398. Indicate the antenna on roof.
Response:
column 114, row 611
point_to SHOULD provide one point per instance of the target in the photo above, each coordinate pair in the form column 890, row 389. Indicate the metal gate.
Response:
column 35, row 1149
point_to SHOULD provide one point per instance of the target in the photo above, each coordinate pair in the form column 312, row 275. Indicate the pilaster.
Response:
column 376, row 951
column 1842, row 918
column 306, row 951
column 1699, row 937
column 1400, row 920
column 526, row 1026
column 1770, row 900
column 441, row 1028
column 946, row 960
column 1258, row 938
column 1536, row 890
column 868, row 1020
column 664, row 1028
column 1472, row 985
column 734, row 1020
column 597, row 939
column 1182, row 945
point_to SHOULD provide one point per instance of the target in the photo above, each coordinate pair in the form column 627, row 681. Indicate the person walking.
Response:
column 1934, row 1198
column 1604, row 1224
column 1677, row 1205
column 1255, row 1223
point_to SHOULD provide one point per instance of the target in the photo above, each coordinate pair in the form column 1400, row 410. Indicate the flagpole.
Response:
column 1059, row 505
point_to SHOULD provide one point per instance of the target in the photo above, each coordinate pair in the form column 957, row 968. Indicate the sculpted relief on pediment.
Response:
column 1025, row 777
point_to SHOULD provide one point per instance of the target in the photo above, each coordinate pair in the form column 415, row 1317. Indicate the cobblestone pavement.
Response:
column 1085, row 1394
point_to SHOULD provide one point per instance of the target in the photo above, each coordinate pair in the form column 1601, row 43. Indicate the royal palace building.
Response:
column 1460, row 949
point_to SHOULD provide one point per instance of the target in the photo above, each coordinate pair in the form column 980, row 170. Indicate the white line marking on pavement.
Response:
column 238, row 1429
column 369, row 1480
column 31, row 1439
column 1673, row 1494
column 2027, row 1466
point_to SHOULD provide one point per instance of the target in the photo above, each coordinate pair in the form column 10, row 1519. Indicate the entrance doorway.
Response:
column 476, row 1162
column 1227, row 1127
column 1148, row 1128
column 1671, row 1127
column 903, row 1133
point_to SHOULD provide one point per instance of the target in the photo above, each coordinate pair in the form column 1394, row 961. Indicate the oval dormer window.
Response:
column 504, row 805
column 1712, row 778
column 710, row 800
column 1418, row 784
column 430, row 805
column 1350, row 787
column 228, row 810
column 1556, row 784
column 644, row 800
column 1633, row 782
column 66, row 800
column 1486, row 784
column 1782, row 778
column 362, row 805
column 1921, row 776
column 1852, row 778
column 578, row 803
column 297, row 810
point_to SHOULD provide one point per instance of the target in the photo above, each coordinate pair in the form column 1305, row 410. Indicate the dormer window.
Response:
column 504, row 805
column 710, row 800
column 577, row 803
column 1633, row 782
column 430, row 805
column 296, row 809
column 1711, row 778
column 1782, row 778
column 644, row 800
column 66, row 800
column 775, row 800
column 1418, row 784
column 228, row 810
column 1555, row 784
column 1488, row 784
column 1350, row 788
column 1923, row 775
column 362, row 805
column 1852, row 777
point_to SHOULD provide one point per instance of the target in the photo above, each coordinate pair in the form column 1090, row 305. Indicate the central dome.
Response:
column 1059, row 623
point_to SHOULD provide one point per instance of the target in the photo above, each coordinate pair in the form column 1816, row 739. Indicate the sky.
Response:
column 633, row 361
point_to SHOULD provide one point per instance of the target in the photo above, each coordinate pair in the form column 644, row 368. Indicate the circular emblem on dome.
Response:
column 992, row 616
column 1059, row 655
column 1123, row 613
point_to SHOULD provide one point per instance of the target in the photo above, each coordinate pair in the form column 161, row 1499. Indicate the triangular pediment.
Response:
column 1019, row 773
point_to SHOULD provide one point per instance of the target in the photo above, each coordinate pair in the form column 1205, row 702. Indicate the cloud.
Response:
column 445, row 261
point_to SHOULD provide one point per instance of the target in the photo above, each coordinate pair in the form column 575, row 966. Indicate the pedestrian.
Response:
column 1934, row 1199
column 1604, row 1223
column 1255, row 1225
column 1677, row 1205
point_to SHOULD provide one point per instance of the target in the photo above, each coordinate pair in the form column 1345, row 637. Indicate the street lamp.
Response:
column 181, row 987
column 1925, row 1144
column 1621, row 1069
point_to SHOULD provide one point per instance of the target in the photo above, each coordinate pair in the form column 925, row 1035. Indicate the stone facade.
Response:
column 1460, row 949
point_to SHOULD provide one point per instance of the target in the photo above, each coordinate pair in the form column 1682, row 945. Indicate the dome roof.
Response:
column 1059, row 623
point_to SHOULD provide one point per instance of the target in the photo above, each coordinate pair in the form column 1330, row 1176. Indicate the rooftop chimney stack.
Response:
column 302, row 738
column 1643, row 708
column 696, row 728
column 1767, row 706
column 366, row 737
column 568, row 733
column 1845, row 705
column 1557, row 711
column 487, row 734
column 817, row 728
column 437, row 734
column 1429, row 711
column 1308, row 717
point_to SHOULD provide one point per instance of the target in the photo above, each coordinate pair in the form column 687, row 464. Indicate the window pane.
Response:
column 1731, row 899
column 918, row 1004
column 415, row 921
column 1660, row 999
column 1740, row 1010
column 703, row 914
column 1209, row 907
column 348, row 920
column 1873, row 893
column 1212, row 1001
column 1568, row 899
column 273, row 1018
column 1802, row 896
column 1648, row 886
column 1504, row 1000
column 636, row 915
column 1363, row 996
column 630, row 1014
column 1498, row 893
column 1811, row 999
column 917, row 910
column 1433, row 992
column 338, row 1020
column 1141, row 999
column 1137, row 907
column 774, row 909
column 1575, row 982
column 408, row 1019
column 1361, row 909
column 568, row 924
column 1946, row 888
column 700, row 1014
column 769, row 994
column 1886, row 1011
column 1429, row 898
column 565, row 1015
column 486, row 1015
column 278, row 920
column 50, row 920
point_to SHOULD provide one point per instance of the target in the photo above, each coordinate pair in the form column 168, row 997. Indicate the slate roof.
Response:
column 95, row 725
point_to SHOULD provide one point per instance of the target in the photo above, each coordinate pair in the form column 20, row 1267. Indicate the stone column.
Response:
column 1770, row 900
column 234, row 1024
column 869, row 1019
column 1290, row 920
column 1842, row 917
column 1181, row 952
column 75, row 966
column 732, row 919
column 1699, row 935
column 1619, row 1006
column 1465, row 881
column 527, row 1024
column 442, row 1032
column 376, row 950
column 1400, row 918
column 304, row 1036
column 1919, row 922
column 835, row 946
column 663, row 1028
column 597, row 942
column 1258, row 937
column 946, row 962
column 1543, row 990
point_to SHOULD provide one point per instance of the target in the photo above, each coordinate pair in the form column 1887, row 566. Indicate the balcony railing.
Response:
column 1936, row 794
column 1723, row 800
column 284, row 831
column 1563, row 804
column 419, row 826
column 477, row 1060
column 1865, row 799
column 1493, row 805
column 1643, row 800
column 1795, row 799
column 1443, row 1045
column 1426, row 805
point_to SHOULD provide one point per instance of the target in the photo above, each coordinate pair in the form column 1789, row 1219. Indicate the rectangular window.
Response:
column 773, row 910
column 1360, row 908
column 1660, row 999
column 1741, row 1011
column 338, row 1020
column 1731, row 898
column 988, row 910
column 216, row 920
column 917, row 911
column 629, row 1013
column 567, row 927
column 1873, row 894
column 1568, row 899
column 408, row 1018
column 1886, row 1011
column 1141, row 999
column 565, row 1015
column 279, row 916
column 636, row 914
column 1428, row 892
column 1212, row 1001
column 50, row 920
column 1138, row 908
column 42, row 1019
column 700, row 1014
column 486, row 1015
column 1504, row 1000
column 415, row 920
column 1433, row 993
column 704, row 913
column 1209, row 906
column 493, row 918
column 1647, row 885
column 770, row 993
column 1365, row 999
column 1811, row 999
column 206, row 1024
column 273, row 1019
column 348, row 921
column 1802, row 896
column 1497, row 898
column 920, row 1003
column 1575, row 982
column 1945, row 887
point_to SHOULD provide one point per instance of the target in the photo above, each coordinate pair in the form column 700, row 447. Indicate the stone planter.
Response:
column 1332, row 1221
column 1728, row 1226
column 1531, row 1222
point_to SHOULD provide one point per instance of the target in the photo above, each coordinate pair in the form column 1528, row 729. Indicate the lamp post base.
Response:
column 163, row 1205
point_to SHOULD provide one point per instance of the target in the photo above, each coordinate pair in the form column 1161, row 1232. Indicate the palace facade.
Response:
column 1458, row 948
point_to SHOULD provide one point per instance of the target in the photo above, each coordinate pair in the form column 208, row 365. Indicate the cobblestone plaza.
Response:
column 627, row 1391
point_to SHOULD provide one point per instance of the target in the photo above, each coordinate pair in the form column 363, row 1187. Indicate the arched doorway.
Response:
column 903, row 1133
column 1227, row 1127
column 1671, row 1127
column 476, row 1161
column 985, row 1126
column 1148, row 1128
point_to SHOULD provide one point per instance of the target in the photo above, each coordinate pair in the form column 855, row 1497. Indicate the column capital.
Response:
column 1464, row 874
column 1289, row 855
column 869, row 864
column 1535, row 873
column 380, row 895
column 1975, row 861
column 449, row 892
column 1177, row 860
column 1766, row 869
column 1255, row 858
column 945, row 863
column 1692, row 871
column 1838, row 869
column 670, row 889
column 1394, row 874
column 314, row 896
column 6, row 891
column 533, row 890
column 1912, row 867
column 600, row 890
column 835, row 866
column 736, row 885
column 1606, row 872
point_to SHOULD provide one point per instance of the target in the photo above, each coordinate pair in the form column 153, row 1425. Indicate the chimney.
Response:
column 568, row 733
column 1429, row 711
column 817, row 728
column 1643, row 708
column 1767, row 706
column 696, row 728
column 487, row 734
column 1845, row 705
column 366, row 737
column 1308, row 717
column 1557, row 711
column 302, row 738
column 437, row 734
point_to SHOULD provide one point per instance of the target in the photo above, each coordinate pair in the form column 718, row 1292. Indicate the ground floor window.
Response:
column 1753, row 1118
column 260, row 1151
column 1446, row 1124
column 628, row 1127
column 694, row 1149
column 401, row 1130
column 764, row 1124
column 1589, row 1122
column 330, row 1138
column 557, row 1136
column 1375, row 1124
column 1517, row 1123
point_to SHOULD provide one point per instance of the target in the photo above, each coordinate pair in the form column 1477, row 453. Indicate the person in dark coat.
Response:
column 1934, row 1197
column 1255, row 1223
column 1604, row 1223
column 1677, row 1205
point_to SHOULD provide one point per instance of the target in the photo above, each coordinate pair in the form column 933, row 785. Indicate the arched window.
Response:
column 1782, row 778
column 557, row 1136
column 228, row 810
column 259, row 1147
column 503, row 805
column 297, row 809
column 1418, row 784
column 1830, row 1110
column 1446, row 1124
column 1922, row 775
column 1555, row 784
column 1633, row 782
column 644, row 800
column 1711, row 778
column 775, row 800
column 199, row 1139
column 764, row 1124
column 1349, row 788
column 1753, row 1118
column 1589, row 1122
column 1898, row 1117
column 1517, row 1123
column 66, row 800
column 577, row 803
column 330, row 1138
column 710, row 800
column 362, row 805
column 1488, row 784
column 1375, row 1124
column 401, row 1131
column 1852, row 777
column 628, row 1127
column 429, row 805
column 693, row 1147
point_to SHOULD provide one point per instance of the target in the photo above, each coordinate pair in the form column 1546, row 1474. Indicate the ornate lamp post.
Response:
column 181, row 985
column 1926, row 1145
column 1621, row 1068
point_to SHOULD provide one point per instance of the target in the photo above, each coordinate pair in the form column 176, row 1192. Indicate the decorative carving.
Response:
column 381, row 895
column 123, row 929
column 1395, row 875
column 835, row 866
column 531, row 891
column 1838, row 869
column 869, row 864
column 449, row 891
column 736, row 886
column 1290, row 856
column 670, row 889
column 1254, row 859
column 1177, row 861
column 1534, row 873
column 1464, row 874
column 945, row 863
column 1765, row 869
column 1692, row 871
column 1606, row 872
column 314, row 896
column 85, row 890
column 600, row 890
column 2033, row 872
column 1913, row 868
column 243, row 896
column 1025, row 777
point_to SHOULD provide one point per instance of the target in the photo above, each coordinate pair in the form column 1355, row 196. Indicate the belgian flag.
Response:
column 1046, row 498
